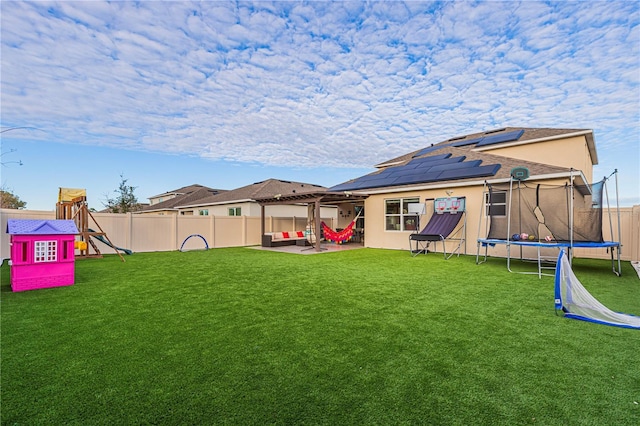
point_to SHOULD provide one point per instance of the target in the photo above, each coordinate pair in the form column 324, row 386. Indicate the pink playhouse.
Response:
column 42, row 253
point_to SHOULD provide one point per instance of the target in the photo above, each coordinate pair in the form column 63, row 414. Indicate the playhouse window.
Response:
column 46, row 251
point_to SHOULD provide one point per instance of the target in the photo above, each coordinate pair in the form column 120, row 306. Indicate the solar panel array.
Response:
column 433, row 168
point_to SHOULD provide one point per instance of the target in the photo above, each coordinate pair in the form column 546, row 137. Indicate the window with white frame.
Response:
column 397, row 217
column 204, row 212
column 235, row 211
column 495, row 203
column 45, row 251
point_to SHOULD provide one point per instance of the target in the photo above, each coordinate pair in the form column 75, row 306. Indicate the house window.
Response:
column 495, row 203
column 235, row 211
column 204, row 212
column 397, row 217
column 45, row 251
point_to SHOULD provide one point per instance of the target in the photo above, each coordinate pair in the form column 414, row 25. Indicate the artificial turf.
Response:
column 241, row 336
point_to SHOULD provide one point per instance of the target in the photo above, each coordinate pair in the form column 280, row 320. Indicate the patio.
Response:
column 324, row 248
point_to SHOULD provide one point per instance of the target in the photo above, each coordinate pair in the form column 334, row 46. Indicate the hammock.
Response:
column 339, row 237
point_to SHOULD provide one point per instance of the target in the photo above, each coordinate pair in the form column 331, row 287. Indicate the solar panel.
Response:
column 452, row 160
column 429, row 158
column 429, row 149
column 503, row 137
column 469, row 172
column 421, row 178
column 343, row 186
column 467, row 142
column 411, row 172
column 463, row 165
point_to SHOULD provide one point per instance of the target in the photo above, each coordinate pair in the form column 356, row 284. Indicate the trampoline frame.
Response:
column 540, row 260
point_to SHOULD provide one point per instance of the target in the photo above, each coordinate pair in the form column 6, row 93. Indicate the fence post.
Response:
column 635, row 233
column 129, row 237
column 212, row 231
column 244, row 230
column 175, row 231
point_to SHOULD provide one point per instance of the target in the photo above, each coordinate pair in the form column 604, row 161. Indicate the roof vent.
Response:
column 495, row 131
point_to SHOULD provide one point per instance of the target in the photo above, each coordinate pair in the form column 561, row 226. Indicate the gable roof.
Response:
column 185, row 190
column 41, row 227
column 258, row 190
column 188, row 194
column 460, row 160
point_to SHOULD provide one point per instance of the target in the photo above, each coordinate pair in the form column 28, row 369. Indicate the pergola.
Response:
column 309, row 198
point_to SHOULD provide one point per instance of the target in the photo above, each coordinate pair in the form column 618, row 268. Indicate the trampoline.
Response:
column 535, row 217
column 542, row 260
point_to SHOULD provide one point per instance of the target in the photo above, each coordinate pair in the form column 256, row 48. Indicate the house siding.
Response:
column 570, row 152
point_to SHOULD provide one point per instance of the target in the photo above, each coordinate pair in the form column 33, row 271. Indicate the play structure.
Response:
column 447, row 214
column 535, row 217
column 206, row 245
column 574, row 301
column 42, row 253
column 72, row 205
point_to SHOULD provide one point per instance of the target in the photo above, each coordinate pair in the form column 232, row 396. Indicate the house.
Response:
column 42, row 253
column 167, row 202
column 460, row 167
column 241, row 201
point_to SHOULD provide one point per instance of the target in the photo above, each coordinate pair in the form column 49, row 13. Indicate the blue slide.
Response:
column 105, row 241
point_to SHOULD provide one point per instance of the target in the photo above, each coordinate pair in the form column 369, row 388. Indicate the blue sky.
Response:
column 225, row 94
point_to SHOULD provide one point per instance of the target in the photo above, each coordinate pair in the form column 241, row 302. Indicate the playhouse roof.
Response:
column 40, row 227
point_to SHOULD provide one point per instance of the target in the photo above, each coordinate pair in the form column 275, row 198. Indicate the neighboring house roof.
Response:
column 41, row 227
column 184, row 191
column 264, row 189
column 461, row 160
column 191, row 194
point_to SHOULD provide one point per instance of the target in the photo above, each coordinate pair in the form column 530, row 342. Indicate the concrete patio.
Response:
column 324, row 248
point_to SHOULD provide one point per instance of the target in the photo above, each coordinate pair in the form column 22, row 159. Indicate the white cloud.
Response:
column 258, row 82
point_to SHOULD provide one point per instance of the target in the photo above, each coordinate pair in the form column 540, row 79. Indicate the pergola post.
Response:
column 317, row 216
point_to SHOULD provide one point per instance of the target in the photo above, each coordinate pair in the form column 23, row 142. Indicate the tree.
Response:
column 8, row 200
column 125, row 201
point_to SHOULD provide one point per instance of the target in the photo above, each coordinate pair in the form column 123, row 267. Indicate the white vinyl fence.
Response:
column 148, row 233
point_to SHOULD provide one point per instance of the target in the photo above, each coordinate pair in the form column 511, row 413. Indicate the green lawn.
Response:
column 241, row 336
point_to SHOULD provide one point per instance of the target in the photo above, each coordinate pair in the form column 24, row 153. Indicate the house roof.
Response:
column 263, row 189
column 507, row 136
column 189, row 194
column 461, row 160
column 41, row 227
column 185, row 190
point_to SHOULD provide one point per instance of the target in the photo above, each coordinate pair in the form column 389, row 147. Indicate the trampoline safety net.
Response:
column 544, row 210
